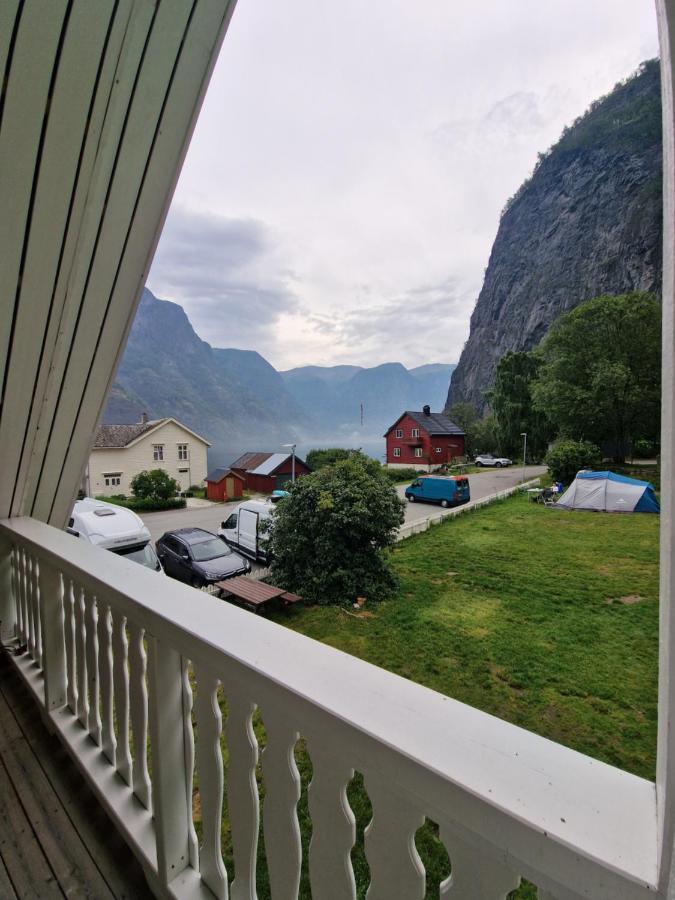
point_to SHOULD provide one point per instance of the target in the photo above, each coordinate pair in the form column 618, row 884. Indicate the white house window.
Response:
column 397, row 451
column 415, row 432
column 158, row 452
column 112, row 479
column 399, row 432
column 438, row 449
column 182, row 451
column 418, row 451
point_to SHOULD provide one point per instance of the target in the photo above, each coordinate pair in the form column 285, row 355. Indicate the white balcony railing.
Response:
column 105, row 646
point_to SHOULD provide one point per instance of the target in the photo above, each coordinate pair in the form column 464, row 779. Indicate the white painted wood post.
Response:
column 396, row 870
column 665, row 757
column 169, row 788
column 53, row 637
column 8, row 607
column 242, row 793
column 476, row 875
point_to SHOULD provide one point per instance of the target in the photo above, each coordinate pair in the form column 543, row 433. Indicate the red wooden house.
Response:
column 224, row 484
column 423, row 440
column 267, row 472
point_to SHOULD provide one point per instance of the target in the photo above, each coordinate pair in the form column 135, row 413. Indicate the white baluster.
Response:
column 242, row 794
column 396, row 870
column 210, row 770
column 121, row 685
column 39, row 635
column 476, row 875
column 21, row 587
column 69, row 636
column 28, row 576
column 81, row 655
column 91, row 639
column 105, row 663
column 138, row 696
column 189, row 751
column 53, row 643
column 333, row 826
column 8, row 617
column 16, row 593
column 280, row 815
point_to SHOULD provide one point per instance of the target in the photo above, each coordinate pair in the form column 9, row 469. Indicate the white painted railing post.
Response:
column 476, row 875
column 169, row 789
column 7, row 591
column 53, row 636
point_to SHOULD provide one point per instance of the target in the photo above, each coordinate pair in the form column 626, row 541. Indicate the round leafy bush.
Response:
column 330, row 538
column 156, row 484
column 565, row 458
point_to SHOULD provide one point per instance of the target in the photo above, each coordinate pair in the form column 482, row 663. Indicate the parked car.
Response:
column 199, row 557
column 487, row 459
column 244, row 530
column 113, row 528
column 446, row 490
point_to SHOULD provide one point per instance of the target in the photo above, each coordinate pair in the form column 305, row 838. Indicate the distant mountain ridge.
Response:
column 239, row 402
column 587, row 222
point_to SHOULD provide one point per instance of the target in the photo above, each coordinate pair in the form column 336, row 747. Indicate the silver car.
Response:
column 487, row 459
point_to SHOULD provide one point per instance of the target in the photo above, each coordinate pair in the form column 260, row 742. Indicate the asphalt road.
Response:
column 488, row 482
column 481, row 485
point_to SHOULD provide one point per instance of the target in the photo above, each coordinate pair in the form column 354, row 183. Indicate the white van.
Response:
column 113, row 528
column 242, row 530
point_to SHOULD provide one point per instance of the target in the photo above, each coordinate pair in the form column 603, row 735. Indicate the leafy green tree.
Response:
column 512, row 406
column 565, row 458
column 480, row 434
column 601, row 376
column 327, row 456
column 155, row 484
column 331, row 536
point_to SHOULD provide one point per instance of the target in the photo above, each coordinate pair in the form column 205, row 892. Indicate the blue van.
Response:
column 446, row 490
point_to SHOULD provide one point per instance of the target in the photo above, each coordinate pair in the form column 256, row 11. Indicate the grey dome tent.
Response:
column 609, row 492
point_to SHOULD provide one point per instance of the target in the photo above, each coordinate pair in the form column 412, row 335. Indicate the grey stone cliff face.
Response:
column 587, row 223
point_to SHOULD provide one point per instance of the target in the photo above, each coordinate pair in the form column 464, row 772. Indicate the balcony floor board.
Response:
column 55, row 840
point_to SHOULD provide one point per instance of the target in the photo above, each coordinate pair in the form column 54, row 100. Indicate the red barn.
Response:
column 223, row 485
column 267, row 472
column 423, row 439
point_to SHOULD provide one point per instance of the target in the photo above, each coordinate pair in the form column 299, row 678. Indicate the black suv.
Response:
column 199, row 557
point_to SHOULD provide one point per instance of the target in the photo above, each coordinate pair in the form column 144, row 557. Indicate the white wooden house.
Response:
column 122, row 451
column 98, row 102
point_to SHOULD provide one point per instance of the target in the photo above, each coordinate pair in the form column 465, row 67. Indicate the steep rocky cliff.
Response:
column 587, row 222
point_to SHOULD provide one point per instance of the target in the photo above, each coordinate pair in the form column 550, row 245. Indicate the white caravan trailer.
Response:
column 113, row 528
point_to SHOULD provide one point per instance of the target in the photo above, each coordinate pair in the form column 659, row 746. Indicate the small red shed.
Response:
column 267, row 472
column 423, row 440
column 223, row 485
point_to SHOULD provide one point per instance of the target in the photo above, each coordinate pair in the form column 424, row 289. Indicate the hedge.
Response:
column 147, row 504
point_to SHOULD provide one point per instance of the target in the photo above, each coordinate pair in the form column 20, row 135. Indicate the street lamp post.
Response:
column 523, row 435
column 292, row 447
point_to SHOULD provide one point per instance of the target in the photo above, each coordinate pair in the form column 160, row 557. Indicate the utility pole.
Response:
column 523, row 435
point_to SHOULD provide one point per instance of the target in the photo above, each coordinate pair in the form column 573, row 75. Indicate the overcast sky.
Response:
column 343, row 187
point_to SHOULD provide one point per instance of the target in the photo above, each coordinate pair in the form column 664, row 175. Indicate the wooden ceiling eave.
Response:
column 98, row 104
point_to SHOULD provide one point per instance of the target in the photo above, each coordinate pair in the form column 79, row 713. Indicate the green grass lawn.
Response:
column 543, row 617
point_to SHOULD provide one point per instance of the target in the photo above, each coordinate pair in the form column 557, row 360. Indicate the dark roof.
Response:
column 218, row 474
column 434, row 423
column 249, row 461
column 117, row 436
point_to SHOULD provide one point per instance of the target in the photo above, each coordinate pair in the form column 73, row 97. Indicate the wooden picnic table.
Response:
column 255, row 595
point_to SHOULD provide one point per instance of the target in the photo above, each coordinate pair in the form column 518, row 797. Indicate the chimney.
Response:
column 426, row 410
column 144, row 418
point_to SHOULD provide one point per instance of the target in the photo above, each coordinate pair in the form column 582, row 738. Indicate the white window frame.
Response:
column 415, row 432
column 399, row 433
column 397, row 451
column 112, row 479
column 438, row 449
column 158, row 452
column 418, row 452
column 183, row 452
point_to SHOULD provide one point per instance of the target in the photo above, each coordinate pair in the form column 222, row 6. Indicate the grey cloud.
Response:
column 225, row 273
